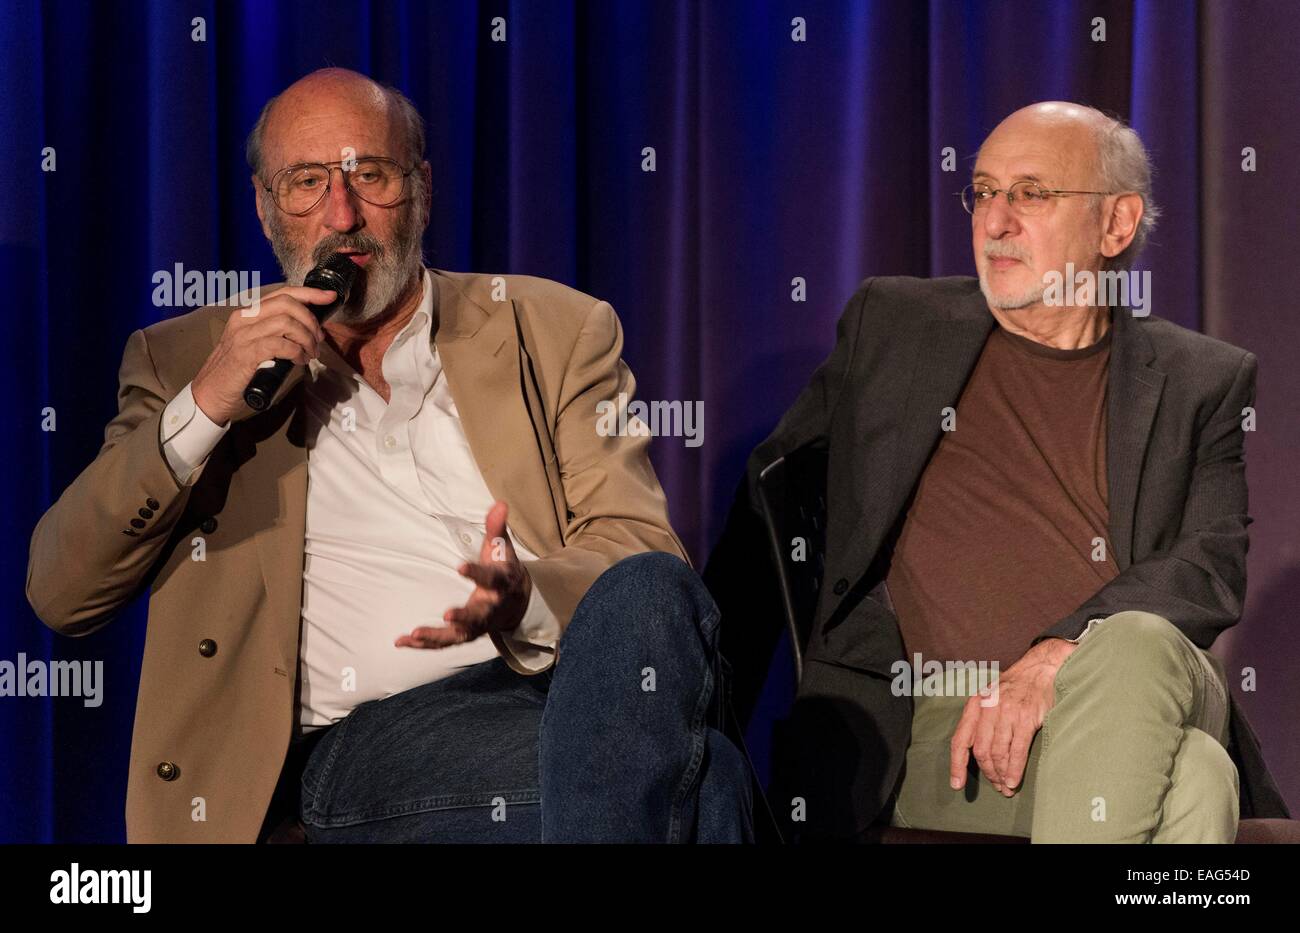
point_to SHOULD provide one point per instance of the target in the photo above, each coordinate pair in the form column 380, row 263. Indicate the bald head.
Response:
column 1056, row 142
column 324, row 94
column 1082, row 148
column 330, row 105
column 1058, row 119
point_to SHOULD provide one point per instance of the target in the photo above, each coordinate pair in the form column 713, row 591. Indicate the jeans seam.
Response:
column 317, row 792
column 428, row 805
column 698, row 738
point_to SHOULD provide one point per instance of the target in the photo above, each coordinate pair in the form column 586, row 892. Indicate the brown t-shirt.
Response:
column 998, row 542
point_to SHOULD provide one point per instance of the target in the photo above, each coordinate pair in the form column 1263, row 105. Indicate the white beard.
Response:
column 384, row 278
column 1013, row 302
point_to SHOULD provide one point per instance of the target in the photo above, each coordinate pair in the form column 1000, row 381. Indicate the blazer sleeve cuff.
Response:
column 1073, row 628
column 1092, row 623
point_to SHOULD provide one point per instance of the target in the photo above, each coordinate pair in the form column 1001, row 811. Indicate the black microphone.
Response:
column 336, row 274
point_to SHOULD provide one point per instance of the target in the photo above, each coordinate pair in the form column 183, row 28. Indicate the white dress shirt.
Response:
column 395, row 503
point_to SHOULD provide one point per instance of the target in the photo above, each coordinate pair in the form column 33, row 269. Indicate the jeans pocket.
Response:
column 314, row 784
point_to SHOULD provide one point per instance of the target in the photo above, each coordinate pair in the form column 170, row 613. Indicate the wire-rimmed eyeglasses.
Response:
column 298, row 188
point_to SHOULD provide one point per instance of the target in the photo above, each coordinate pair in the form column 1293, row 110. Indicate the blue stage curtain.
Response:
column 775, row 159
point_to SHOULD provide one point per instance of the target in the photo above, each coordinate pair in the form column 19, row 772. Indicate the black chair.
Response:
column 792, row 499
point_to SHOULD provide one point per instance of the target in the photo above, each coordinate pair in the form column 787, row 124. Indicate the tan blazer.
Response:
column 216, row 701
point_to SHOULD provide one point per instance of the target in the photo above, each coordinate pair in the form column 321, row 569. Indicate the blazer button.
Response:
column 841, row 585
column 168, row 771
column 151, row 502
column 146, row 513
column 137, row 523
column 209, row 525
column 207, row 647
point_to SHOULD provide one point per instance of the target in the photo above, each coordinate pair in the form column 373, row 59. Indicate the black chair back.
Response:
column 792, row 496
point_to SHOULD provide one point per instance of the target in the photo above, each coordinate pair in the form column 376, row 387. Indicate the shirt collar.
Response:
column 420, row 325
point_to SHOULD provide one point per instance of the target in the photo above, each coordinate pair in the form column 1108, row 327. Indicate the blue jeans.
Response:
column 613, row 744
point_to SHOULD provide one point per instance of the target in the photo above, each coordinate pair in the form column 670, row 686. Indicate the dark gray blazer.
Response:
column 1177, row 497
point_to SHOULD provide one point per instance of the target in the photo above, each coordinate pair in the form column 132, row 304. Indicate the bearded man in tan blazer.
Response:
column 359, row 599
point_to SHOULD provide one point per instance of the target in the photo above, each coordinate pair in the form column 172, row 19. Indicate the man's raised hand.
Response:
column 502, row 589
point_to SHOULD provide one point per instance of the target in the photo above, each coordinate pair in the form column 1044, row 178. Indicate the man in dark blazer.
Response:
column 1047, row 493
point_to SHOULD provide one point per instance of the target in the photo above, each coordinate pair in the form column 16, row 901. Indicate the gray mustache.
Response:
column 359, row 242
column 1005, row 254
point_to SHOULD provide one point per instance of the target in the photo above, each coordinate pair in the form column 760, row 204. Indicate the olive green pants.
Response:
column 1132, row 750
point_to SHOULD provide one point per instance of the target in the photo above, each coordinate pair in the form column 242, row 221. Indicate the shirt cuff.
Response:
column 532, row 644
column 187, row 436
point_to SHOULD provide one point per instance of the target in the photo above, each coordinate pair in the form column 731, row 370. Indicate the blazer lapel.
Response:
column 944, row 360
column 943, row 352
column 1134, row 395
column 480, row 356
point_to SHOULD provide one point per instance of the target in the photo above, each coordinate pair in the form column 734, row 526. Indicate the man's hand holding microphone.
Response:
column 283, row 328
column 286, row 328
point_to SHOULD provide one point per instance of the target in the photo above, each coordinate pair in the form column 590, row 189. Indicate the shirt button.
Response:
column 840, row 586
column 464, row 536
column 151, row 502
column 173, row 419
column 390, row 441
